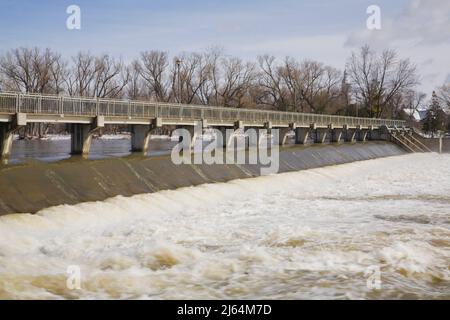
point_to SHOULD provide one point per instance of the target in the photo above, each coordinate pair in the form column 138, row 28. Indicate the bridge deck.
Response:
column 62, row 109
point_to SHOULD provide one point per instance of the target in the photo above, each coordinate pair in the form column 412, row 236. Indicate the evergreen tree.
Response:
column 435, row 119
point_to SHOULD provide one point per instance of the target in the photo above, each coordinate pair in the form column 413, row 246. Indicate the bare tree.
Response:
column 34, row 71
column 135, row 88
column 293, row 86
column 271, row 82
column 194, row 73
column 100, row 76
column 378, row 79
column 444, row 95
column 234, row 81
column 206, row 93
column 111, row 77
column 27, row 70
column 59, row 74
column 152, row 67
column 381, row 84
column 290, row 73
column 82, row 75
column 319, row 86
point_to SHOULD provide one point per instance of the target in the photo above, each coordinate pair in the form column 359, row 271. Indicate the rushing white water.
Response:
column 310, row 234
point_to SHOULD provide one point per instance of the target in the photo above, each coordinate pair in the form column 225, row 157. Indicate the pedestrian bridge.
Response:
column 85, row 116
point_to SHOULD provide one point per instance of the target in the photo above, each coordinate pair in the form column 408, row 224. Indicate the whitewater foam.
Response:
column 309, row 234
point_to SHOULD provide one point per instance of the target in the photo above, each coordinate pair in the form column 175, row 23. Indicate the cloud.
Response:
column 424, row 22
column 422, row 32
column 427, row 62
column 325, row 48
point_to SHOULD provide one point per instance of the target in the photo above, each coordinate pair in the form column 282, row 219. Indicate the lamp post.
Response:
column 178, row 63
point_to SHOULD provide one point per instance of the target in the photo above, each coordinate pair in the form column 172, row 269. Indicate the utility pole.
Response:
column 440, row 136
column 295, row 98
column 178, row 63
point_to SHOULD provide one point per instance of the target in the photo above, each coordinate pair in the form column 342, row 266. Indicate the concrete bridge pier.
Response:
column 301, row 135
column 370, row 133
column 192, row 134
column 383, row 133
column 374, row 134
column 349, row 134
column 228, row 134
column 225, row 139
column 321, row 134
column 140, row 135
column 283, row 134
column 254, row 136
column 264, row 134
column 336, row 135
column 361, row 134
column 194, row 130
column 81, row 135
column 5, row 139
column 7, row 131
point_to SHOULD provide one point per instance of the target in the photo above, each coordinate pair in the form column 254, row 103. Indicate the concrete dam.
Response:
column 140, row 226
column 31, row 187
column 320, row 140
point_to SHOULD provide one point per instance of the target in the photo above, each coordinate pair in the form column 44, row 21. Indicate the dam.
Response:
column 34, row 186
column 347, row 202
column 318, row 140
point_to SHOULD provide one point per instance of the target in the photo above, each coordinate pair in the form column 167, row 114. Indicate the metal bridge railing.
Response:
column 52, row 104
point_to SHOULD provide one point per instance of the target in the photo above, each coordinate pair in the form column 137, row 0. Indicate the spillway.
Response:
column 317, row 233
column 30, row 187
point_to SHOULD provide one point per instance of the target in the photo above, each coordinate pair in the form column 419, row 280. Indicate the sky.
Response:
column 323, row 30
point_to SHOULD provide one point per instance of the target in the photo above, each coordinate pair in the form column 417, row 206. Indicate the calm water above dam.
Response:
column 58, row 148
column 310, row 234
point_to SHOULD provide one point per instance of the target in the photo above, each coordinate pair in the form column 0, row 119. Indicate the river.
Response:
column 57, row 147
column 316, row 234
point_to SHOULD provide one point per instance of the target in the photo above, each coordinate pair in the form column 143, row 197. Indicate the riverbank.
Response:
column 28, row 188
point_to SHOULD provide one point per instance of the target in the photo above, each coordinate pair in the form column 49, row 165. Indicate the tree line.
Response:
column 372, row 84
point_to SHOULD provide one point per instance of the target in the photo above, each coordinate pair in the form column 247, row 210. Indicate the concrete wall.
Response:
column 31, row 187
